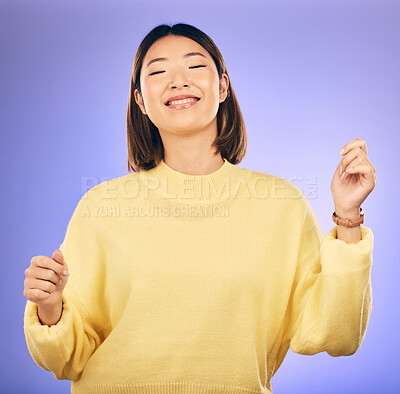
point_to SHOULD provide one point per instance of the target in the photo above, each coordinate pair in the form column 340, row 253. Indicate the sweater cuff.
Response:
column 42, row 336
column 338, row 255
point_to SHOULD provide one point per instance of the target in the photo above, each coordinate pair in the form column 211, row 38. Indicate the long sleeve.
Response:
column 331, row 299
column 200, row 295
column 65, row 348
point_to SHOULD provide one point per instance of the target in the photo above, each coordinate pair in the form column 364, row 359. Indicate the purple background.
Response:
column 310, row 76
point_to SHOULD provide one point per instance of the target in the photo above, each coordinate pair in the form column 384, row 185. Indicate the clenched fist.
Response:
column 45, row 281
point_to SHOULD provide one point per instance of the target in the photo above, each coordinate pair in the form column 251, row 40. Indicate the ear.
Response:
column 139, row 101
column 223, row 87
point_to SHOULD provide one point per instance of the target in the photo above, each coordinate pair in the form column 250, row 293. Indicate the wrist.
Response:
column 50, row 315
column 348, row 214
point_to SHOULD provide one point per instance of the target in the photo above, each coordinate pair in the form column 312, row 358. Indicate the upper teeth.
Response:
column 188, row 100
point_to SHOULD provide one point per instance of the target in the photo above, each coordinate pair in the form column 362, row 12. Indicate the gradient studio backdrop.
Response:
column 310, row 76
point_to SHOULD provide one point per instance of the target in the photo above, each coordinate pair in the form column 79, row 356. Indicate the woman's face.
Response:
column 180, row 74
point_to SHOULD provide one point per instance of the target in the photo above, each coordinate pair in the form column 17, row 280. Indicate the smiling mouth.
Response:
column 183, row 104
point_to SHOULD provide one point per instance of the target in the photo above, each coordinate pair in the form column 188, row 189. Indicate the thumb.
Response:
column 59, row 257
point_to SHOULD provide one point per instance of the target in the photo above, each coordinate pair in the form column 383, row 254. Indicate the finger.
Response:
column 369, row 162
column 48, row 263
column 40, row 284
column 351, row 159
column 362, row 169
column 38, row 295
column 48, row 276
column 357, row 143
column 45, row 285
column 59, row 257
column 366, row 159
column 351, row 156
column 43, row 274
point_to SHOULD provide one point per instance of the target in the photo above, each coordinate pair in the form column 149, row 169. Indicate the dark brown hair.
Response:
column 145, row 147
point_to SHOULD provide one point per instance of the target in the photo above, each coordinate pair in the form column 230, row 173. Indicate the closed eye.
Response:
column 158, row 72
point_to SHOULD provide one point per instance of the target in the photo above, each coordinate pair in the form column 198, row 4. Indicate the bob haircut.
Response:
column 145, row 147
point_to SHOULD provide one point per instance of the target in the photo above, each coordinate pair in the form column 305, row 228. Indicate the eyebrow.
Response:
column 165, row 58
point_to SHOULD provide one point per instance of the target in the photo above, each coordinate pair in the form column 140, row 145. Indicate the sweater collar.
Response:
column 177, row 186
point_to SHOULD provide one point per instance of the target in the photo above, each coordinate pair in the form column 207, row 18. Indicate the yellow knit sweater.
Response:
column 199, row 284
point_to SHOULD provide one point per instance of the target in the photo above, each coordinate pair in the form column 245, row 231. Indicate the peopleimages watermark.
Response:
column 259, row 187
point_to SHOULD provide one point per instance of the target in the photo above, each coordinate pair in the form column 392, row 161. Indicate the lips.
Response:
column 181, row 97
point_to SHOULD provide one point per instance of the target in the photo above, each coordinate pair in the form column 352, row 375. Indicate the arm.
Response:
column 331, row 298
column 65, row 347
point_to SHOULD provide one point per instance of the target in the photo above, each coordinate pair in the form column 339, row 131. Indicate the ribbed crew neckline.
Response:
column 185, row 188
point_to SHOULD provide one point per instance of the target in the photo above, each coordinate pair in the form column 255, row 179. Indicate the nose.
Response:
column 179, row 79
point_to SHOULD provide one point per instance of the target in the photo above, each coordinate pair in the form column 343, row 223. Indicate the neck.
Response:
column 191, row 151
column 180, row 187
column 190, row 165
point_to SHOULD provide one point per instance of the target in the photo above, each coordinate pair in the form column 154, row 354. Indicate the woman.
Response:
column 191, row 274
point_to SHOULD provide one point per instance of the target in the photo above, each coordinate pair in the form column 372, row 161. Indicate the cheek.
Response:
column 212, row 86
column 208, row 86
column 151, row 94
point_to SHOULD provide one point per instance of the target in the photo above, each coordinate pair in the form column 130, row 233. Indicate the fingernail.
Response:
column 343, row 175
column 341, row 152
column 349, row 169
column 65, row 272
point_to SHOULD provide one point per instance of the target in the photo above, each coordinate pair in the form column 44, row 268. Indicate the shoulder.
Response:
column 273, row 186
column 110, row 188
column 103, row 195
